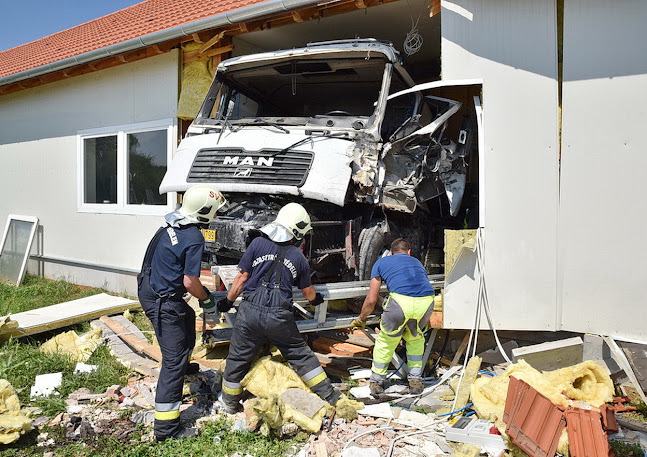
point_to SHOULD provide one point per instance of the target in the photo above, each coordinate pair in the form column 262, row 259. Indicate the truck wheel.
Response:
column 374, row 241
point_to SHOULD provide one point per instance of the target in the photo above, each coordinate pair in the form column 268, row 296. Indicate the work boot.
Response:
column 376, row 388
column 334, row 397
column 415, row 386
column 192, row 368
column 182, row 433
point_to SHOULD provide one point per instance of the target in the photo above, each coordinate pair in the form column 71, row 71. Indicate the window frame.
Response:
column 122, row 131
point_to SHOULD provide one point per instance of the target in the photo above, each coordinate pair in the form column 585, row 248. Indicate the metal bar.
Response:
column 430, row 343
column 92, row 266
column 396, row 360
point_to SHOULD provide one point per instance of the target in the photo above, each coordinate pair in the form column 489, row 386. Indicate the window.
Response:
column 121, row 168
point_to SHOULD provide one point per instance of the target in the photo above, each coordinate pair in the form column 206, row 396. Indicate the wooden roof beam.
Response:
column 213, row 40
column 193, row 56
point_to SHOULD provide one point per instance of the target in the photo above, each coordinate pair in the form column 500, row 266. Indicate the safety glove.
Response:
column 208, row 304
column 359, row 323
column 224, row 305
column 318, row 300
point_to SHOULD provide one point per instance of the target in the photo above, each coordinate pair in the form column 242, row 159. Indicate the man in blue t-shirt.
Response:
column 271, row 265
column 406, row 313
column 171, row 268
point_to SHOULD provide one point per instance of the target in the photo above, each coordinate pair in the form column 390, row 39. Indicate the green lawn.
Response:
column 21, row 361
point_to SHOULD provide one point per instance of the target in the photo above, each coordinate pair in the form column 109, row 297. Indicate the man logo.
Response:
column 260, row 161
column 243, row 172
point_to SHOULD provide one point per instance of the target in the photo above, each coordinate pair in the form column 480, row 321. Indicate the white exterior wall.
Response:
column 38, row 157
column 511, row 45
column 604, row 111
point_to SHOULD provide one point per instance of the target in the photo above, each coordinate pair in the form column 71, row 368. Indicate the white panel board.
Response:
column 38, row 149
column 602, row 216
column 512, row 46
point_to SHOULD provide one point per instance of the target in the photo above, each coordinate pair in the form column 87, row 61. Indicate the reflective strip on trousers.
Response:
column 314, row 376
column 380, row 368
column 232, row 388
column 167, row 411
column 414, row 361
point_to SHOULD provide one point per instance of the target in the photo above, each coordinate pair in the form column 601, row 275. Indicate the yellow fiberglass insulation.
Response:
column 196, row 80
column 13, row 421
column 268, row 379
column 79, row 347
column 586, row 381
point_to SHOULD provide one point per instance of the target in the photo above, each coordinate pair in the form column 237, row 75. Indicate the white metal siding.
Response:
column 604, row 112
column 38, row 153
column 511, row 45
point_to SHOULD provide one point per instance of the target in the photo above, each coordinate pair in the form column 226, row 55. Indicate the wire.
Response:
column 457, row 411
column 401, row 365
column 413, row 40
column 487, row 372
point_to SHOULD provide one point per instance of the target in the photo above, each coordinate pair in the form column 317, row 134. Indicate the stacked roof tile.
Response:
column 135, row 21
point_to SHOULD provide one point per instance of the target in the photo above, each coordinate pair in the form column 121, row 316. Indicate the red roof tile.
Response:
column 135, row 21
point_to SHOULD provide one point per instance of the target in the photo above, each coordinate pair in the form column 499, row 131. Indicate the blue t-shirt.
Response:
column 178, row 253
column 258, row 259
column 404, row 275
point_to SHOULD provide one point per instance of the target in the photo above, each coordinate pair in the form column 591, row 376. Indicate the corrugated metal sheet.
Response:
column 602, row 267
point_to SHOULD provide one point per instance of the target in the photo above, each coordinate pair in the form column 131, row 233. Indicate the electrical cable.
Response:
column 413, row 40
column 392, row 374
column 457, row 411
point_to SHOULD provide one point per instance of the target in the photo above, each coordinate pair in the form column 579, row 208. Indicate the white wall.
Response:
column 603, row 270
column 511, row 45
column 38, row 163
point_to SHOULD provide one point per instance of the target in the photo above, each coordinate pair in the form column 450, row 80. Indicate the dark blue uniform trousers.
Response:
column 174, row 324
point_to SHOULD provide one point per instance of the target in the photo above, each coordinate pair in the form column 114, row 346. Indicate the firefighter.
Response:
column 405, row 316
column 171, row 268
column 271, row 265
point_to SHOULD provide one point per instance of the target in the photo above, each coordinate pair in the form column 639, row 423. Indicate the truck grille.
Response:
column 259, row 167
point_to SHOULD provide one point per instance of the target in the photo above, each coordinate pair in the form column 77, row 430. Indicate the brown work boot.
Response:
column 416, row 386
column 376, row 388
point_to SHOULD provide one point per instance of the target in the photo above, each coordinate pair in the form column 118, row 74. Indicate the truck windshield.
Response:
column 294, row 91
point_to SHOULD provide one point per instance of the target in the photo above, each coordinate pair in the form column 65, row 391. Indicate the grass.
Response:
column 214, row 441
column 20, row 362
column 36, row 292
column 623, row 449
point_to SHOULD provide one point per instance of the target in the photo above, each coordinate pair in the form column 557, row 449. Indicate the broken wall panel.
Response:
column 602, row 265
column 512, row 47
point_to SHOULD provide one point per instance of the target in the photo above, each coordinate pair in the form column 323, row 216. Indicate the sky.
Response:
column 28, row 20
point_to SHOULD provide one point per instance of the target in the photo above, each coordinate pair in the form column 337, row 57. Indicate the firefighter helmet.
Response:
column 200, row 203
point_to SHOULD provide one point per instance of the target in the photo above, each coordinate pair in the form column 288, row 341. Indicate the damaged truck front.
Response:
column 339, row 127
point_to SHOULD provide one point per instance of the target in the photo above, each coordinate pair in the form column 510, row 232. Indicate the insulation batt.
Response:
column 196, row 80
column 269, row 378
column 13, row 421
column 586, row 381
column 79, row 348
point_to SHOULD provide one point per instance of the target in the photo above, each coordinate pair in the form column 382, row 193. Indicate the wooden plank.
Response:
column 330, row 346
column 461, row 350
column 68, row 313
column 143, row 347
column 195, row 55
column 357, row 337
column 125, row 355
column 216, row 38
column 435, row 8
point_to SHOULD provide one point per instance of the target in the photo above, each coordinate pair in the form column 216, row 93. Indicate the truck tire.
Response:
column 374, row 241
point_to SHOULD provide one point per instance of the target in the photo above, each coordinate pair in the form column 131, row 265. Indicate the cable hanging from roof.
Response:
column 413, row 41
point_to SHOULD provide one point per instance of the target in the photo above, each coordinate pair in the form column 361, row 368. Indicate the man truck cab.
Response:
column 335, row 127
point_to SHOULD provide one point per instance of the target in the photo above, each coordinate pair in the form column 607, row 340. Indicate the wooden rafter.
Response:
column 213, row 40
column 195, row 55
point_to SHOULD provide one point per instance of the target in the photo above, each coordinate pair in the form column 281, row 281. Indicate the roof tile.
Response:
column 135, row 21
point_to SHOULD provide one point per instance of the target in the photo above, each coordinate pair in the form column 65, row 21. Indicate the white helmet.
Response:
column 200, row 203
column 292, row 221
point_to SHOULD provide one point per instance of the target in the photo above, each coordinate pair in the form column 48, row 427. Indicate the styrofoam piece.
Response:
column 45, row 384
column 362, row 373
column 377, row 410
column 68, row 313
column 355, row 451
column 84, row 368
column 361, row 392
